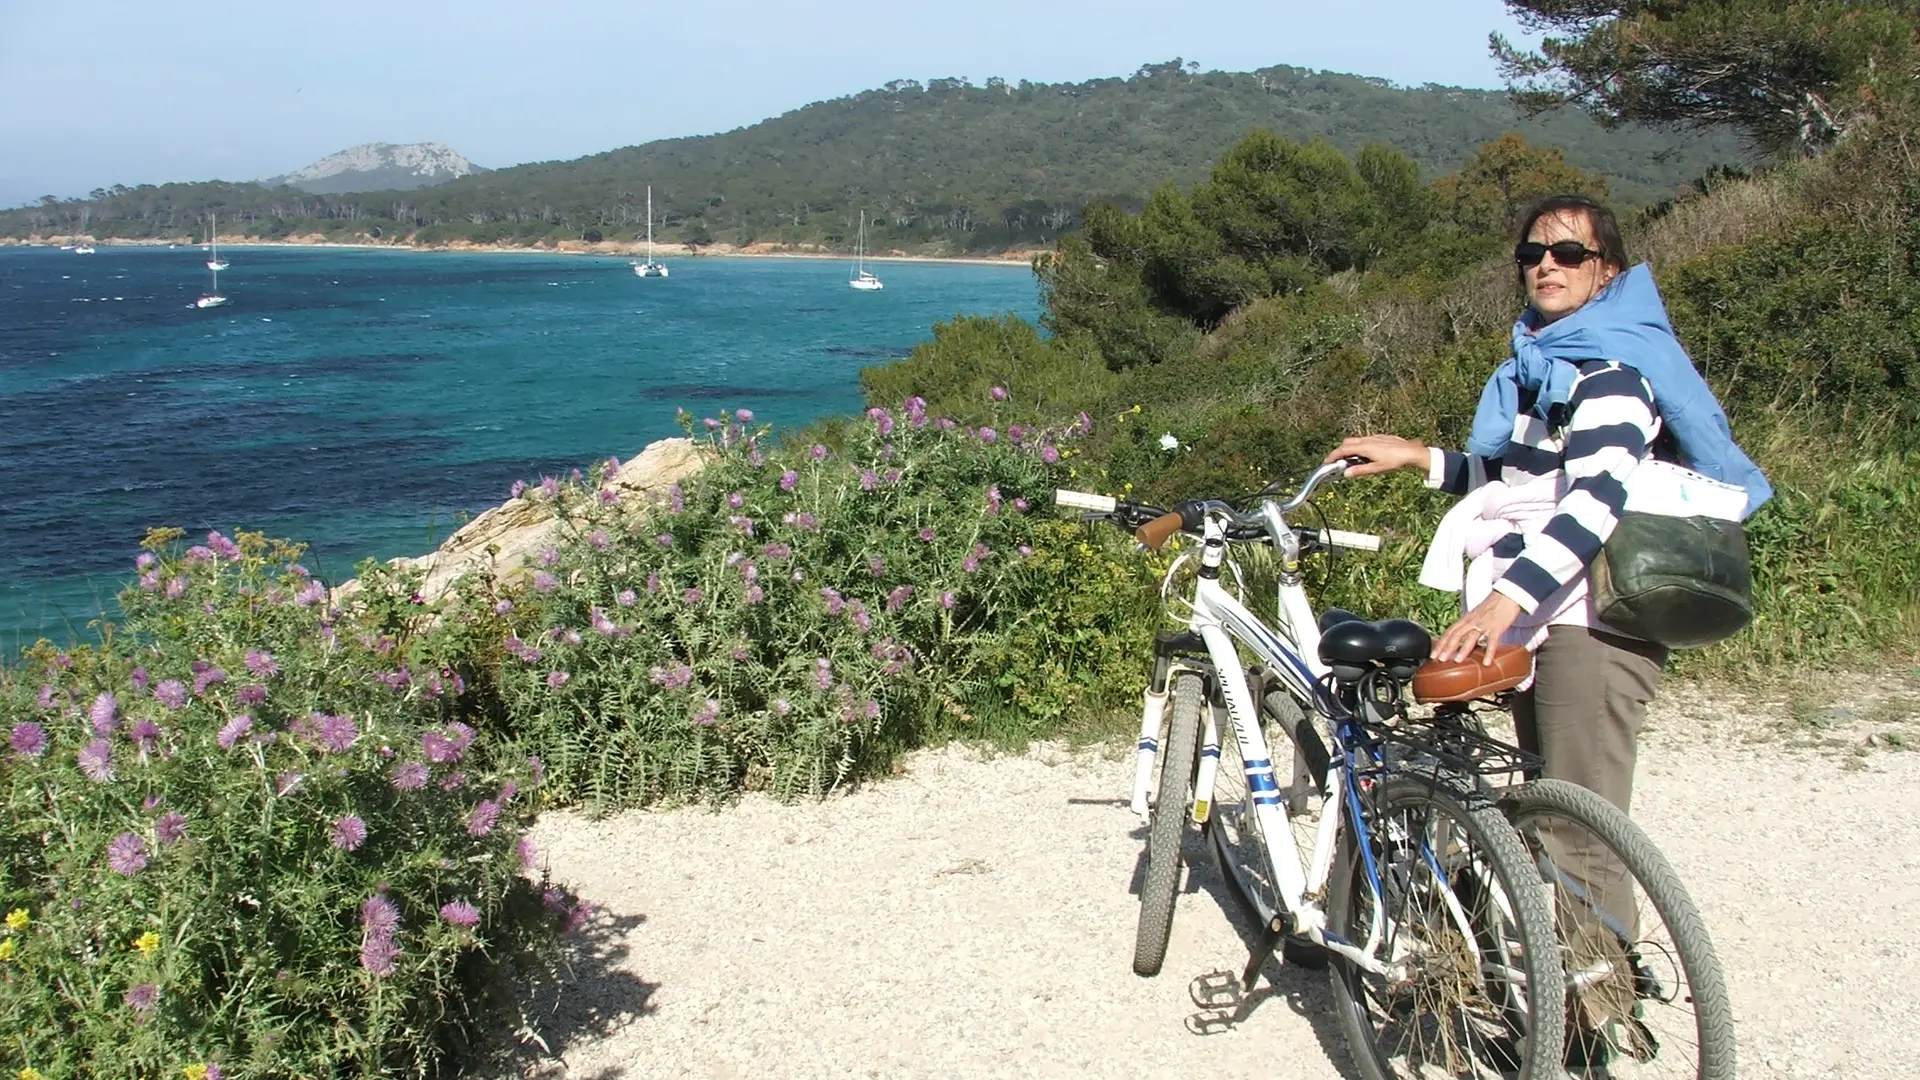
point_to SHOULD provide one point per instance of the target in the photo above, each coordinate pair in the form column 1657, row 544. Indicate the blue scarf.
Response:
column 1626, row 322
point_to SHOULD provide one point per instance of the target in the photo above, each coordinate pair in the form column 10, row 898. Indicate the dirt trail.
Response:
column 974, row 917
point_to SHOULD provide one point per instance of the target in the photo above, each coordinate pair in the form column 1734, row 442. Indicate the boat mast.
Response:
column 649, row 224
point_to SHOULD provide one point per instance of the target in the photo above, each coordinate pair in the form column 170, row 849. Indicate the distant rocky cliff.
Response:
column 380, row 167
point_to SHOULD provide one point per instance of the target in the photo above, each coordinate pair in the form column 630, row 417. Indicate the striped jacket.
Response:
column 1607, row 427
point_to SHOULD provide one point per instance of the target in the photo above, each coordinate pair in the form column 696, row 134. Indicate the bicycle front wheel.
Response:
column 1167, row 827
column 1645, row 994
column 1442, row 889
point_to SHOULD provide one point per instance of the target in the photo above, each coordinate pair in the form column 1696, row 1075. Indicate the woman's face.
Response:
column 1557, row 291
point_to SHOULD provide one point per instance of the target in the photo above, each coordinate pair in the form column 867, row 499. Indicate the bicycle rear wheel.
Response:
column 1300, row 761
column 1645, row 994
column 1474, row 985
column 1167, row 826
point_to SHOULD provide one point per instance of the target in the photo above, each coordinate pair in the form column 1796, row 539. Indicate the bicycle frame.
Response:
column 1220, row 619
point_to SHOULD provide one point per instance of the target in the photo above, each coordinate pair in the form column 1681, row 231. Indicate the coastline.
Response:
column 605, row 249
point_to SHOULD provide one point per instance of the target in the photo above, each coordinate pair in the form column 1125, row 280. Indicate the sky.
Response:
column 94, row 93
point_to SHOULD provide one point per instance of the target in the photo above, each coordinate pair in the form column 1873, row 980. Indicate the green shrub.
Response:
column 795, row 615
column 246, row 835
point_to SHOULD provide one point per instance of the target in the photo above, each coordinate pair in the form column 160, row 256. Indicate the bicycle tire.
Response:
column 1477, row 1035
column 1167, row 824
column 1239, row 847
column 1704, row 988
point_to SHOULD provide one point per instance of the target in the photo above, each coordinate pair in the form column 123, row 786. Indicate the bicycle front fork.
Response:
column 1167, row 645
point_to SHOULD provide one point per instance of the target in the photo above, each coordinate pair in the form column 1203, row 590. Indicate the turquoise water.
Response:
column 366, row 402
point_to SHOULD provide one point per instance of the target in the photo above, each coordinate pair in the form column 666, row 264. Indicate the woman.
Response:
column 1597, row 384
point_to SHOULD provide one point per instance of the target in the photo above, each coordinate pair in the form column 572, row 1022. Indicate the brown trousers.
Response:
column 1583, row 715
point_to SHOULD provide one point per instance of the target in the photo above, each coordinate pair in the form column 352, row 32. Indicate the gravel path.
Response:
column 974, row 917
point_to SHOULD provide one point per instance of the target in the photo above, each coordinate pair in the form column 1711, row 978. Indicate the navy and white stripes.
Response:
column 1611, row 424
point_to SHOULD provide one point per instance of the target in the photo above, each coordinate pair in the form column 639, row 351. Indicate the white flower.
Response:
column 1168, row 442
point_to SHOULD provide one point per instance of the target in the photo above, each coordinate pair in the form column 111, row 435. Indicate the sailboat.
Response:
column 863, row 278
column 215, row 264
column 649, row 268
column 81, row 247
column 214, row 261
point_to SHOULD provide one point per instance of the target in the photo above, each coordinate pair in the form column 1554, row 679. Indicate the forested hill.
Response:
column 945, row 165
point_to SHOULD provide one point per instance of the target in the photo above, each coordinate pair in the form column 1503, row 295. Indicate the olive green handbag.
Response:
column 1679, row 579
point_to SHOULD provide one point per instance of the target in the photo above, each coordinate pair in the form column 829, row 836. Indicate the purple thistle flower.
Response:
column 869, row 480
column 143, row 998
column 150, row 581
column 145, row 560
column 823, row 673
column 529, row 855
column 1020, row 505
column 46, row 696
column 782, row 706
column 946, row 600
column 613, row 464
column 310, row 594
column 139, row 678
column 664, row 539
column 601, row 624
column 736, row 500
column 501, row 607
column 284, row 784
column 749, row 572
column 987, row 436
column 672, row 678
column 1015, row 433
column 788, row 480
column 1024, row 550
column 209, row 677
column 544, row 582
column 176, row 587
column 708, row 714
column 1086, row 424
column 412, row 776
column 626, row 598
column 860, row 617
column 755, row 594
column 882, row 421
column 233, row 730
column 171, row 827
column 926, row 536
column 397, row 680
column 379, row 918
column 171, row 694
column 460, row 913
column 893, row 476
column 998, row 393
column 993, row 499
column 599, row 539
column 536, row 768
column 518, row 489
column 944, row 424
column 676, row 499
column 691, row 596
column 145, row 734
column 872, row 709
column 817, row 452
column 223, row 547
column 377, row 955
column 199, row 553
column 777, row 551
column 745, row 416
column 548, row 556
column 96, row 760
column 876, row 566
column 833, row 598
column 453, row 781
column 262, row 663
column 332, row 734
column 1050, row 454
column 741, row 522
column 105, row 713
column 127, row 854
column 28, row 739
column 897, row 599
column 349, row 833
column 481, row 821
column 557, row 679
column 608, row 496
column 549, row 487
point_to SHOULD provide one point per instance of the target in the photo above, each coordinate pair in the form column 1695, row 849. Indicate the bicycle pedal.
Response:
column 1215, row 990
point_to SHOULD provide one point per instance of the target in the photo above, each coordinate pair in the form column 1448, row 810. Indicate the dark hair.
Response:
column 1606, row 227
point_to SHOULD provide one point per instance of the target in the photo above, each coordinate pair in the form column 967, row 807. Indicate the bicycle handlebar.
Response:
column 1153, row 527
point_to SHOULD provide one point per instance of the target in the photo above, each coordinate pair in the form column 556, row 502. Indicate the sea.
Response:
column 367, row 402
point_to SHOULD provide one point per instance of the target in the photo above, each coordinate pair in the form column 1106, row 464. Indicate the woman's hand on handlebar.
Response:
column 1383, row 453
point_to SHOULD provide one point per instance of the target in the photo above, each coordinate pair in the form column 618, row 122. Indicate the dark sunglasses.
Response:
column 1568, row 253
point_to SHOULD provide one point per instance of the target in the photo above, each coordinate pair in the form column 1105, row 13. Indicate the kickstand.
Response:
column 1270, row 939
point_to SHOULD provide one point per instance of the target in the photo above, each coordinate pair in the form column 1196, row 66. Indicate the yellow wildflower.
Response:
column 195, row 1072
column 31, row 1073
column 7, row 949
column 18, row 919
column 147, row 943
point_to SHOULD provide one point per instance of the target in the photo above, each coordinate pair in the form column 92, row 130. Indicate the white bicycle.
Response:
column 1378, row 852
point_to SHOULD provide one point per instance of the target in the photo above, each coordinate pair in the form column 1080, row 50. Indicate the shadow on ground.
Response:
column 587, row 998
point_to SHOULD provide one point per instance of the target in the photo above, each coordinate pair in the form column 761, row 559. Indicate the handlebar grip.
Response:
column 1155, row 534
column 1084, row 500
column 1357, row 540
